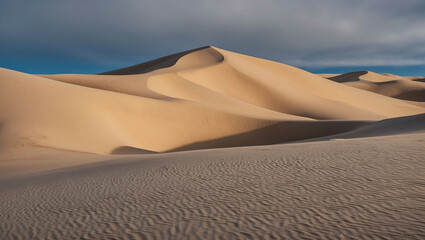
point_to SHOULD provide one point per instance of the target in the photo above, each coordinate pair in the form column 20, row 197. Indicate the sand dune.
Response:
column 418, row 79
column 406, row 88
column 363, row 75
column 130, row 153
column 185, row 99
column 392, row 126
column 400, row 125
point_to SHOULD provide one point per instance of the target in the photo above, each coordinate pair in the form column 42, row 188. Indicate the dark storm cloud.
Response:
column 115, row 33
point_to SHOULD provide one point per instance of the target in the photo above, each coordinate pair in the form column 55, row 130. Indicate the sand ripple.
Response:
column 350, row 189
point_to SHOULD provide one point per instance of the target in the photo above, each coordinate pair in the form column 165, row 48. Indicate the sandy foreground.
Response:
column 211, row 144
column 365, row 188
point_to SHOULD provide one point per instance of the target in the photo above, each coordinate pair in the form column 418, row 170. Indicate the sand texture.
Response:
column 212, row 144
column 368, row 188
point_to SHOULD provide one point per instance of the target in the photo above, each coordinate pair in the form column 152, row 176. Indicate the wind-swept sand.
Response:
column 96, row 156
column 368, row 188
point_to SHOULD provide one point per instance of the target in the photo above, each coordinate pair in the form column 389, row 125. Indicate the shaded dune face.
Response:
column 363, row 75
column 202, row 98
column 164, row 62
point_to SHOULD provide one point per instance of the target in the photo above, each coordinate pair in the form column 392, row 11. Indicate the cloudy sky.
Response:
column 91, row 36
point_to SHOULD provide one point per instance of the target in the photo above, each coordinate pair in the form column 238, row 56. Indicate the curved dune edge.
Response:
column 330, row 129
column 281, row 132
column 202, row 98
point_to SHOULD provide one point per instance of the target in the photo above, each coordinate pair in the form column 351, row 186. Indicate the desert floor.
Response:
column 364, row 188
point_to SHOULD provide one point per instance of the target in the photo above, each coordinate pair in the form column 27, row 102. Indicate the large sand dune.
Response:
column 130, row 153
column 181, row 100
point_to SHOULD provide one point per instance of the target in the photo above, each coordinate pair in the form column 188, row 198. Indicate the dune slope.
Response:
column 388, row 127
column 193, row 98
column 406, row 88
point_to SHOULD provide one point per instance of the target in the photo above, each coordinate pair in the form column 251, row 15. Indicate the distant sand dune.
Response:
column 363, row 75
column 406, row 88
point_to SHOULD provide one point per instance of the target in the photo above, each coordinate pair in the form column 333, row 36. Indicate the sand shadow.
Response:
column 163, row 62
column 283, row 132
column 348, row 77
column 126, row 150
column 419, row 80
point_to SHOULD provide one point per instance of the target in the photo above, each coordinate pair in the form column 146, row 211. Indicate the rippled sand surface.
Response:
column 367, row 188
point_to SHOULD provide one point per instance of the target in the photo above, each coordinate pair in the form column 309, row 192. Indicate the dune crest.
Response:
column 199, row 56
column 199, row 98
